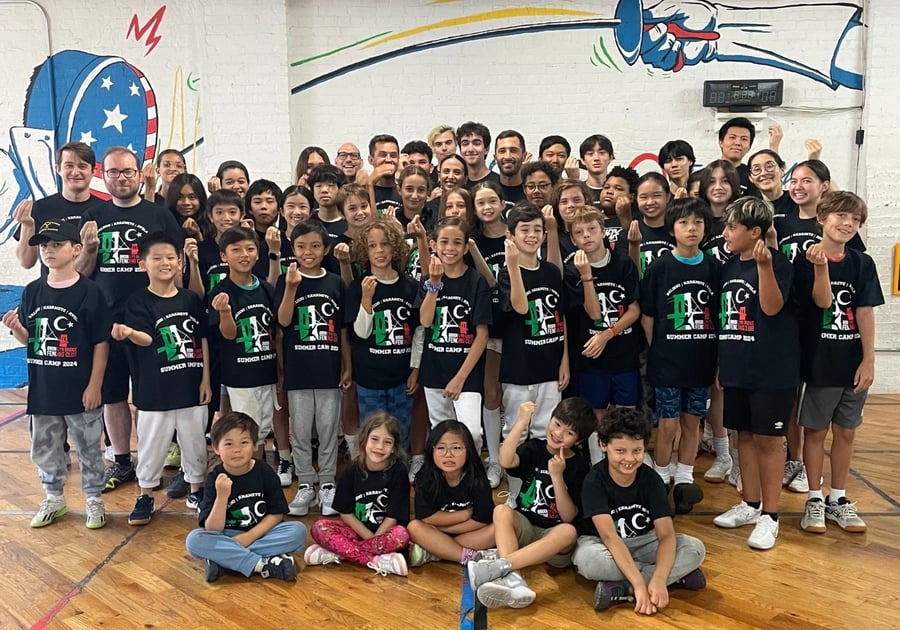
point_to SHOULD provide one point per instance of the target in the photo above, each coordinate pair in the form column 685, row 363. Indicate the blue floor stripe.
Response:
column 466, row 605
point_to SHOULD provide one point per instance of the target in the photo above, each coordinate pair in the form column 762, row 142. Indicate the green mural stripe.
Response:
column 608, row 56
column 337, row 50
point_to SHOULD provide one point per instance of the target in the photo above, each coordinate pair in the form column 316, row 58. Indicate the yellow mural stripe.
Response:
column 499, row 14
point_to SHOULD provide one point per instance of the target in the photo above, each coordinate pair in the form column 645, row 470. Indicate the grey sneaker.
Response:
column 510, row 591
column 326, row 498
column 719, row 470
column 484, row 571
column 95, row 513
column 281, row 567
column 305, row 497
column 800, row 482
column 415, row 466
column 843, row 512
column 738, row 516
column 494, row 474
column 389, row 564
column 813, row 520
column 791, row 468
column 51, row 509
column 609, row 594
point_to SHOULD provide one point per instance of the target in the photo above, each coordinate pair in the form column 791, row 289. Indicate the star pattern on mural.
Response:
column 114, row 118
column 107, row 83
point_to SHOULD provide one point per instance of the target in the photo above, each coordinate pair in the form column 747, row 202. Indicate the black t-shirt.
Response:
column 537, row 497
column 58, row 208
column 248, row 360
column 493, row 250
column 784, row 205
column 462, row 305
column 454, row 499
column 715, row 244
column 567, row 248
column 312, row 341
column 831, row 346
column 512, row 194
column 212, row 269
column 617, row 287
column 63, row 327
column 533, row 344
column 756, row 351
column 490, row 177
column 748, row 188
column 254, row 495
column 119, row 229
column 335, row 228
column 655, row 242
column 614, row 234
column 683, row 301
column 381, row 360
column 796, row 235
column 166, row 374
column 387, row 197
column 633, row 508
column 375, row 496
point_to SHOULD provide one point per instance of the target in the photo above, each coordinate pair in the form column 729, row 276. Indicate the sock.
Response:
column 673, row 471
column 124, row 460
column 259, row 565
column 721, row 446
column 772, row 515
column 492, row 433
column 466, row 556
column 284, row 454
column 754, row 504
column 662, row 471
column 816, row 494
column 594, row 449
column 352, row 445
column 684, row 473
column 835, row 495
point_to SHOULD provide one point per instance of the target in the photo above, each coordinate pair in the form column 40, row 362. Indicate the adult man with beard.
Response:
column 349, row 160
column 509, row 152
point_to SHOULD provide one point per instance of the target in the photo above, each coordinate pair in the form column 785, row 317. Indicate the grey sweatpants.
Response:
column 593, row 560
column 322, row 407
column 48, row 437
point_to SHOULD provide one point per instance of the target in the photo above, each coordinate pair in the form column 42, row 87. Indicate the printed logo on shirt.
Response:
column 538, row 496
column 215, row 277
column 245, row 511
column 118, row 245
column 650, row 251
column 840, row 318
column 412, row 264
column 370, row 507
column 612, row 236
column 798, row 244
column 316, row 320
column 631, row 520
column 612, row 305
column 733, row 316
column 718, row 248
column 178, row 342
column 544, row 319
column 450, row 325
column 253, row 331
column 50, row 339
column 689, row 307
column 390, row 323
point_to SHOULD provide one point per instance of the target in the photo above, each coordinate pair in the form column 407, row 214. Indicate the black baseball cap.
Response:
column 56, row 231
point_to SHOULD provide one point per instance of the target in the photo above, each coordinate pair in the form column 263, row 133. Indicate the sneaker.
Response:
column 791, row 468
column 484, row 571
column 494, row 474
column 95, row 513
column 609, row 594
column 281, row 567
column 326, row 498
column 813, row 520
column 285, row 472
column 109, row 454
column 50, row 509
column 764, row 534
column 718, row 472
column 304, row 498
column 116, row 475
column 800, row 482
column 686, row 496
column 415, row 466
column 844, row 514
column 510, row 591
column 693, row 581
column 213, row 571
column 316, row 555
column 706, row 440
column 734, row 478
column 194, row 499
column 178, row 488
column 738, row 516
column 143, row 510
column 388, row 563
column 419, row 556
column 173, row 457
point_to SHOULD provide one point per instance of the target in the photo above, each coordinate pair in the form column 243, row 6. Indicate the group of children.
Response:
column 411, row 306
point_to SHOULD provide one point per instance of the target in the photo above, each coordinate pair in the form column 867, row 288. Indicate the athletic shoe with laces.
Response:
column 285, row 472
column 281, row 567
column 194, row 499
column 813, row 520
column 116, row 475
column 843, row 512
column 415, row 466
column 609, row 594
column 764, row 534
column 316, row 555
column 50, row 509
column 791, row 468
column 484, row 571
column 213, row 571
column 173, row 457
column 305, row 497
column 693, row 581
column 738, row 516
column 734, row 478
column 143, row 510
column 800, row 482
column 419, row 556
column 388, row 564
column 494, row 474
column 178, row 487
column 509, row 591
column 719, row 470
column 326, row 498
column 686, row 496
column 95, row 513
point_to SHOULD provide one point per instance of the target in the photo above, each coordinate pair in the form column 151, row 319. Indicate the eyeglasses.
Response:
column 543, row 186
column 769, row 167
column 455, row 449
column 348, row 156
column 113, row 173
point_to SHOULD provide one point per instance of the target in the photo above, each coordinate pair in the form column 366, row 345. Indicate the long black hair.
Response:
column 430, row 479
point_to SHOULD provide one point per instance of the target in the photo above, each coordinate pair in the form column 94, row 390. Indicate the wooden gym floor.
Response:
column 66, row 576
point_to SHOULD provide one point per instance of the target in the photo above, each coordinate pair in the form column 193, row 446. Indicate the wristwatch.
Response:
column 273, row 256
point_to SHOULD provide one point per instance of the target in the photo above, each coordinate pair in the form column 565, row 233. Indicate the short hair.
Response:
column 587, row 214
column 80, row 149
column 510, row 133
column 685, row 207
column 628, row 174
column 164, row 153
column 311, row 227
column 351, row 190
column 225, row 197
column 675, row 149
column 303, row 160
column 326, row 174
column 476, row 128
column 440, row 130
column 590, row 142
column 772, row 154
column 731, row 175
column 261, row 186
column 231, row 421
column 624, row 422
column 120, row 150
column 549, row 141
column 818, row 168
column 751, row 212
column 228, row 164
column 540, row 165
column 379, row 138
column 523, row 212
column 565, row 184
column 741, row 122
column 456, row 222
column 157, row 237
column 237, row 234
column 577, row 414
column 653, row 176
column 418, row 146
column 842, row 201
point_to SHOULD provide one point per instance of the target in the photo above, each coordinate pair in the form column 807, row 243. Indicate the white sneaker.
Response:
column 800, row 482
column 315, row 555
column 734, row 478
column 791, row 468
column 494, row 474
column 285, row 472
column 511, row 591
column 326, row 498
column 304, row 498
column 813, row 520
column 719, row 470
column 738, row 516
column 764, row 534
column 388, row 564
column 95, row 513
column 51, row 509
column 843, row 512
column 415, row 466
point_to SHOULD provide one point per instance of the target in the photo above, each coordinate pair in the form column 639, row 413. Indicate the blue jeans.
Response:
column 394, row 400
column 286, row 537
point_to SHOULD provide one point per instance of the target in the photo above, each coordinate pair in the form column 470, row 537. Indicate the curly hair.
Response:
column 359, row 249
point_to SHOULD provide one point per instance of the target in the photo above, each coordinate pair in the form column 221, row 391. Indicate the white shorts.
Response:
column 154, row 436
column 257, row 402
column 496, row 345
column 467, row 410
column 545, row 397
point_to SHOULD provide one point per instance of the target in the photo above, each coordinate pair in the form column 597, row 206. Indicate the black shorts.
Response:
column 117, row 378
column 760, row 411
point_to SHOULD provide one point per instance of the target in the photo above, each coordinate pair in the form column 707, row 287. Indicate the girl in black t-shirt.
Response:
column 766, row 173
column 186, row 200
column 648, row 237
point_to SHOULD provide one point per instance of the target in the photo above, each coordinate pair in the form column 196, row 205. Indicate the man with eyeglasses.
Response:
column 539, row 179
column 349, row 160
column 110, row 233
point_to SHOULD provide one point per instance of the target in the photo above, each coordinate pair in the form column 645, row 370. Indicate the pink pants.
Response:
column 339, row 538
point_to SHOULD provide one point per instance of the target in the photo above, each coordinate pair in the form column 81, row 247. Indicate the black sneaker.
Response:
column 281, row 567
column 686, row 496
column 693, row 581
column 609, row 594
column 213, row 571
column 194, row 499
column 116, row 475
column 178, row 487
column 143, row 510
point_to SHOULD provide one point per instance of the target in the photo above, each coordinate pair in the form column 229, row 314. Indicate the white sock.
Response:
column 594, row 448
column 673, row 470
column 684, row 473
column 284, row 454
column 492, row 433
column 352, row 446
column 721, row 446
column 816, row 494
column 836, row 494
column 662, row 471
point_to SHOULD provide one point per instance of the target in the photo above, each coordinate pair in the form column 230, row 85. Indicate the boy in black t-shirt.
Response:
column 638, row 556
column 837, row 287
column 170, row 367
column 64, row 323
column 540, row 528
column 241, row 516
